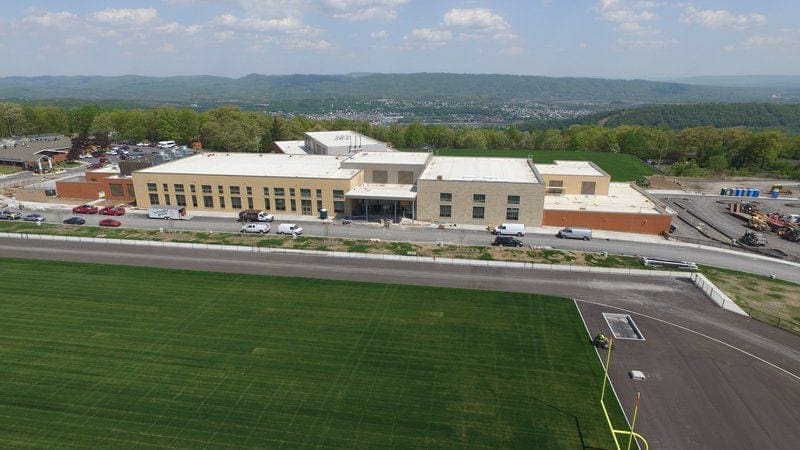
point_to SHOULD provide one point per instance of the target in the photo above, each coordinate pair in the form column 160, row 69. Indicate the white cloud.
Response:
column 583, row 45
column 630, row 17
column 431, row 35
column 176, row 28
column 478, row 18
column 285, row 24
column 223, row 35
column 51, row 19
column 129, row 16
column 307, row 44
column 167, row 48
column 646, row 43
column 720, row 18
column 78, row 41
column 513, row 50
column 364, row 9
column 779, row 42
column 379, row 34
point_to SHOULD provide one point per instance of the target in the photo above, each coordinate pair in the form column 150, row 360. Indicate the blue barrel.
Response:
column 732, row 191
column 775, row 194
column 749, row 192
column 756, row 192
column 739, row 192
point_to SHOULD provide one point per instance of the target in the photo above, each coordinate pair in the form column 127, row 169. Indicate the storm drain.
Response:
column 623, row 327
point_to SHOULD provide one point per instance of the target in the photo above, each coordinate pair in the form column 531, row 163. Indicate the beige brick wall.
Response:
column 326, row 185
column 572, row 183
column 391, row 171
column 496, row 194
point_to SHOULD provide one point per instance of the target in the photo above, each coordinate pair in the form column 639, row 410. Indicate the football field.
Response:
column 116, row 356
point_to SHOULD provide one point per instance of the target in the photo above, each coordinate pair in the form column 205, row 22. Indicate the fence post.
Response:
column 779, row 322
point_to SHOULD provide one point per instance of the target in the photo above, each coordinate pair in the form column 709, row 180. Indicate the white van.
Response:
column 166, row 144
column 575, row 233
column 289, row 228
column 516, row 229
column 255, row 228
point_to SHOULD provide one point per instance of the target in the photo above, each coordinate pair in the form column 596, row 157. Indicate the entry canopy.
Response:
column 372, row 191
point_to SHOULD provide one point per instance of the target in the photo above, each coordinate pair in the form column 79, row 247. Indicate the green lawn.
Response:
column 621, row 167
column 6, row 170
column 115, row 356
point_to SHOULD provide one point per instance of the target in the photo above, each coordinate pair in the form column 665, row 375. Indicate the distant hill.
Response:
column 255, row 88
column 721, row 115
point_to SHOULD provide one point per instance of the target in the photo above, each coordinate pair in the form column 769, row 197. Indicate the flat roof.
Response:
column 292, row 147
column 392, row 158
column 340, row 138
column 31, row 148
column 256, row 165
column 584, row 168
column 621, row 198
column 462, row 168
column 383, row 191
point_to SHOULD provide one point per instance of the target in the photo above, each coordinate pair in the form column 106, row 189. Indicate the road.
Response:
column 716, row 379
column 653, row 248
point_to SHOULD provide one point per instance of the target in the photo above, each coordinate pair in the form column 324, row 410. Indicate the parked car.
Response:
column 507, row 241
column 109, row 223
column 34, row 217
column 75, row 221
column 9, row 215
column 255, row 228
column 103, row 160
column 112, row 211
column 510, row 229
column 575, row 233
column 98, row 154
column 289, row 228
column 111, row 152
column 85, row 209
column 95, row 165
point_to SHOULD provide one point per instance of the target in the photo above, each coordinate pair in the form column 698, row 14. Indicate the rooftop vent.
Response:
column 439, row 177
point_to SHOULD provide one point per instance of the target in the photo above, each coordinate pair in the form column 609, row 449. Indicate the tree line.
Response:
column 692, row 151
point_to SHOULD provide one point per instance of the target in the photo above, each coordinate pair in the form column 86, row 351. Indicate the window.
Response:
column 445, row 210
column 513, row 199
column 116, row 190
column 249, row 202
column 478, row 212
column 166, row 187
column 266, row 192
column 293, row 204
column 512, row 213
column 221, row 201
column 279, row 192
column 319, row 205
column 266, row 203
column 178, row 188
column 588, row 187
column 154, row 199
column 338, row 207
column 318, row 193
column 291, row 192
column 555, row 187
column 208, row 201
column 151, row 186
column 249, row 190
column 478, row 198
column 180, row 199
column 194, row 201
column 445, row 197
column 234, row 190
column 305, row 193
column 220, row 190
column 166, row 199
column 405, row 177
column 206, row 189
column 192, row 188
column 280, row 204
column 131, row 192
column 380, row 176
column 338, row 193
column 236, row 202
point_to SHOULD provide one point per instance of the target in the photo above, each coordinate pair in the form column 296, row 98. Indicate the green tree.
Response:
column 230, row 129
column 552, row 140
column 415, row 135
column 79, row 142
column 717, row 163
column 12, row 119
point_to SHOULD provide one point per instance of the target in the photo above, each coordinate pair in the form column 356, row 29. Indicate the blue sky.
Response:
column 601, row 38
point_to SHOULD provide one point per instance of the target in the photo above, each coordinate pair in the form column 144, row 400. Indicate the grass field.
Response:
column 621, row 167
column 113, row 356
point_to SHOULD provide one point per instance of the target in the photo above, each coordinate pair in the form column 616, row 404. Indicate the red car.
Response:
column 109, row 223
column 84, row 209
column 95, row 165
column 112, row 211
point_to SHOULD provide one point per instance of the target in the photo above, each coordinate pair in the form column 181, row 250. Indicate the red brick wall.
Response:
column 627, row 222
column 127, row 188
column 82, row 189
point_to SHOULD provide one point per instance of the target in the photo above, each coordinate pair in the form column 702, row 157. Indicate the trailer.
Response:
column 167, row 212
column 254, row 215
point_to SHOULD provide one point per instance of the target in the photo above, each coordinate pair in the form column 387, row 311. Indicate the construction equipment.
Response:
column 781, row 190
column 779, row 225
column 753, row 239
column 758, row 222
column 792, row 235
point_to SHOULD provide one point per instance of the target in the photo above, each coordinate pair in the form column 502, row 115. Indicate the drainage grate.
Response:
column 623, row 327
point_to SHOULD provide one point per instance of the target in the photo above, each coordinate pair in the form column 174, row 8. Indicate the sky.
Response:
column 595, row 38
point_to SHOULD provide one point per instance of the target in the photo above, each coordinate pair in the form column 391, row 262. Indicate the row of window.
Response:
column 236, row 203
column 477, row 198
column 235, row 190
column 478, row 212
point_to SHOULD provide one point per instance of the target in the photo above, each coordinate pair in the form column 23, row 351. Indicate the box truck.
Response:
column 167, row 212
column 254, row 215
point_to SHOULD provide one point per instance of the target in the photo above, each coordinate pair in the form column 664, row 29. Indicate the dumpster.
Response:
column 323, row 214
